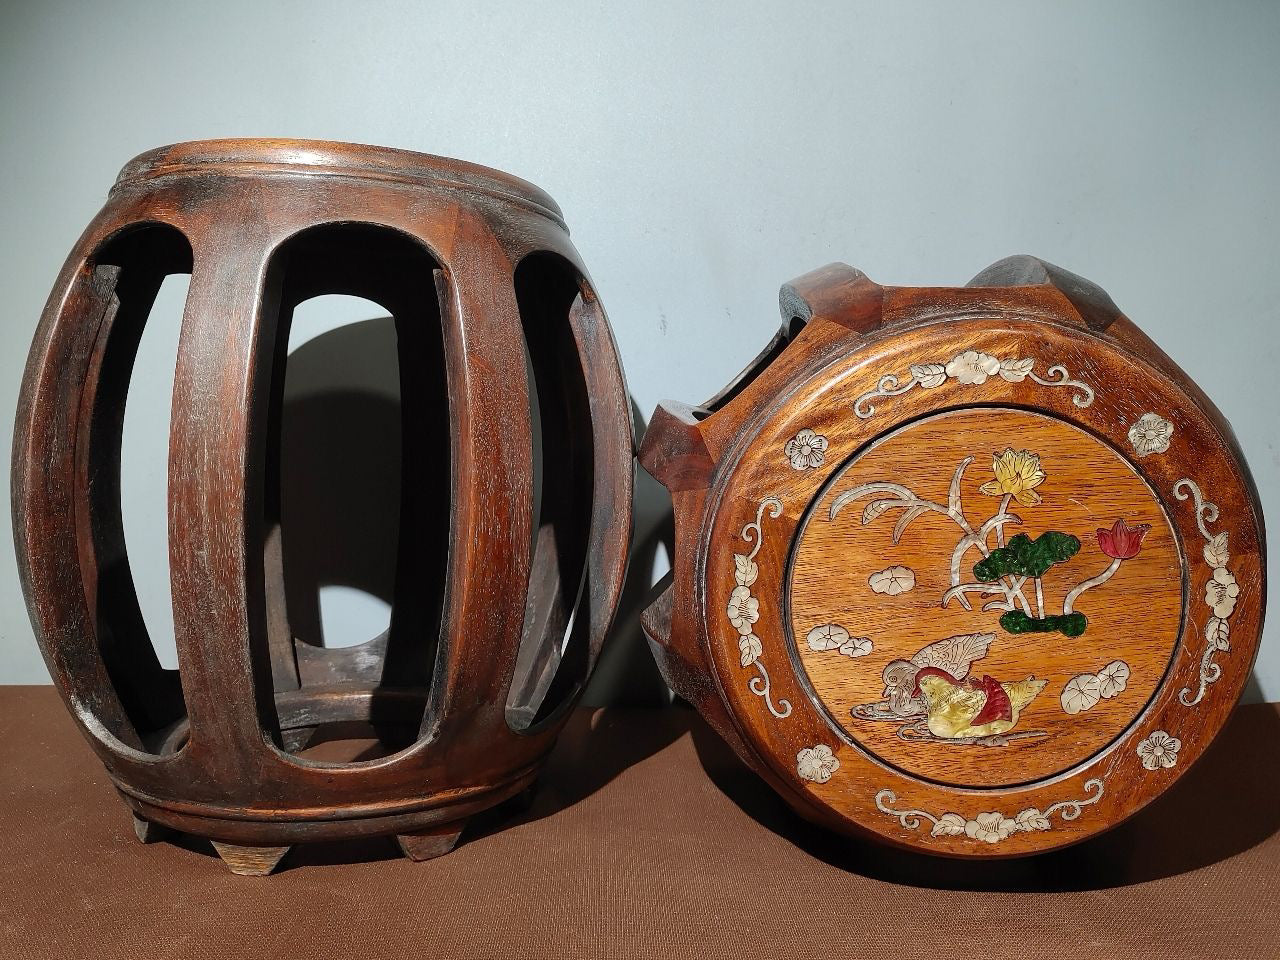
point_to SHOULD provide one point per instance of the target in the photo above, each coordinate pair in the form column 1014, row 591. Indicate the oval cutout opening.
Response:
column 358, row 403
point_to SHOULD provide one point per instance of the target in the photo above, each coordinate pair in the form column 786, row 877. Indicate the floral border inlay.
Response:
column 816, row 764
column 1151, row 434
column 1219, row 593
column 972, row 368
column 744, row 608
column 806, row 450
column 1159, row 750
column 992, row 826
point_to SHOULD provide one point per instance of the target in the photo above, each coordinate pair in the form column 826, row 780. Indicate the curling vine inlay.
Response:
column 1219, row 593
column 972, row 368
column 993, row 826
column 744, row 608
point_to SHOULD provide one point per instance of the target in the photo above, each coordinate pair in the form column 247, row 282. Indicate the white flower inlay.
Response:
column 892, row 581
column 972, row 367
column 1150, row 434
column 829, row 636
column 990, row 827
column 1159, row 750
column 806, row 450
column 993, row 826
column 816, row 763
column 1221, row 592
column 744, row 610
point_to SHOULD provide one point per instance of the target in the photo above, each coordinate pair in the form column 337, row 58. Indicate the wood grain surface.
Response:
column 1134, row 617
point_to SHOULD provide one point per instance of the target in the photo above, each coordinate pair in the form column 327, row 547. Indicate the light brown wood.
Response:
column 1134, row 618
column 250, row 861
column 869, row 384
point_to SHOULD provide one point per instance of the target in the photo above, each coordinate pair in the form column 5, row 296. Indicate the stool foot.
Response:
column 295, row 740
column 430, row 843
column 522, row 802
column 147, row 831
column 249, row 861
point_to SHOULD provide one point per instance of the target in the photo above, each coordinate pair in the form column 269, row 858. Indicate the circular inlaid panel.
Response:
column 985, row 597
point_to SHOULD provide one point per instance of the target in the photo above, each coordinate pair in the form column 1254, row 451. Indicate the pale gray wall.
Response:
column 703, row 155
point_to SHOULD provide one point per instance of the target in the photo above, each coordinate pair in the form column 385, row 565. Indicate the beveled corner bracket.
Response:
column 674, row 451
column 836, row 292
column 1090, row 301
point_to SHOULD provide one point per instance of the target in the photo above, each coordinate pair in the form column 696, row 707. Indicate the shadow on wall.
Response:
column 340, row 496
column 626, row 674
column 340, row 472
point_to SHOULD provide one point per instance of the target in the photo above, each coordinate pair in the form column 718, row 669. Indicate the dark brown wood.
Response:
column 146, row 831
column 825, row 611
column 515, row 505
column 430, row 843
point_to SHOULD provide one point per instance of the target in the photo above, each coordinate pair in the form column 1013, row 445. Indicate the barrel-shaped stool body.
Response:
column 514, row 520
column 975, row 571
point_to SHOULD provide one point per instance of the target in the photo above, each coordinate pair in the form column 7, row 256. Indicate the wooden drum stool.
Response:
column 515, row 504
column 974, row 571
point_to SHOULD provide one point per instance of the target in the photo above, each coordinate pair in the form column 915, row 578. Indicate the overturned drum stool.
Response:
column 515, row 505
column 976, row 571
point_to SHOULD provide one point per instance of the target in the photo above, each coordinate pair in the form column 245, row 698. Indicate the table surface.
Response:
column 646, row 839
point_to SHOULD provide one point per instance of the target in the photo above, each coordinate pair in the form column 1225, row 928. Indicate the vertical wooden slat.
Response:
column 49, row 541
column 492, row 470
column 613, row 465
column 216, row 497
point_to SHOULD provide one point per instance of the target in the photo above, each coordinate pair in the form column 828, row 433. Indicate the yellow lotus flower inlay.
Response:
column 1017, row 473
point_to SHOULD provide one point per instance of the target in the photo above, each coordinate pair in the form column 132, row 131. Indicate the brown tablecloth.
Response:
column 646, row 839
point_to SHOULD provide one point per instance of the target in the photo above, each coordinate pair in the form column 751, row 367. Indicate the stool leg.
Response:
column 147, row 831
column 432, row 842
column 249, row 861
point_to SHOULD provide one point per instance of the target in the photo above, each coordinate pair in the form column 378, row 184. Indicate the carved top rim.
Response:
column 334, row 158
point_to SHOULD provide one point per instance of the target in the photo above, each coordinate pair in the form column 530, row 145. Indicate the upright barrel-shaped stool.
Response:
column 976, row 571
column 515, row 503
